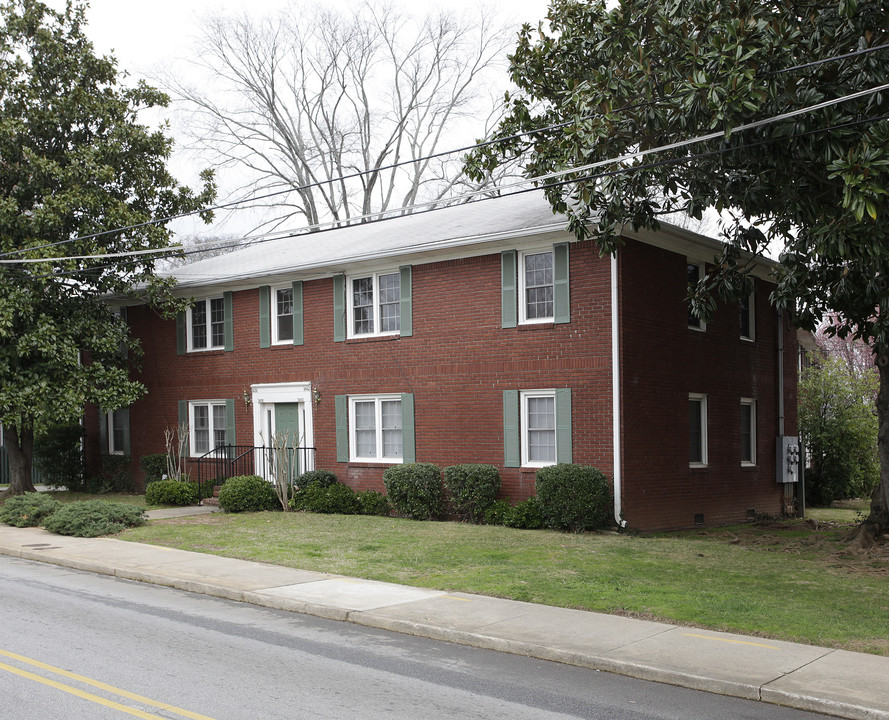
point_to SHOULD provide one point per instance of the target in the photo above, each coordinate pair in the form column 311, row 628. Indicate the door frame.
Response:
column 265, row 396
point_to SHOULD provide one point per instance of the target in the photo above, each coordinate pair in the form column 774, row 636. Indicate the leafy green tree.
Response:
column 837, row 419
column 74, row 163
column 648, row 73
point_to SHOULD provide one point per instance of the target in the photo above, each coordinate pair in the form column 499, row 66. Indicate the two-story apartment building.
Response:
column 479, row 333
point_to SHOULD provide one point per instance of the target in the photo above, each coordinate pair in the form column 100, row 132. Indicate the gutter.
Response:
column 615, row 394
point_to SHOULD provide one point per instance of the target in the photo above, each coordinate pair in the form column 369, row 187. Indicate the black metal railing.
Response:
column 215, row 467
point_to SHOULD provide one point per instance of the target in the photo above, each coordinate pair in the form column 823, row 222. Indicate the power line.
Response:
column 392, row 166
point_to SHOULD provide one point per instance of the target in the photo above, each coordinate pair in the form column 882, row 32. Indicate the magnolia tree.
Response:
column 639, row 75
column 74, row 163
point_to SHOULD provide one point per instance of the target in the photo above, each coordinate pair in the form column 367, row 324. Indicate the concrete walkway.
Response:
column 834, row 682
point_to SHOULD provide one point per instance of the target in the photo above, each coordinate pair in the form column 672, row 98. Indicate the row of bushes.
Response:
column 86, row 518
column 569, row 497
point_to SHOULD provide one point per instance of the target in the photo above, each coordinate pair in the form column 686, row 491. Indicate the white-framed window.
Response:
column 536, row 286
column 747, row 317
column 116, row 423
column 207, row 424
column 374, row 301
column 282, row 315
column 206, row 324
column 697, row 430
column 695, row 272
column 538, row 427
column 375, row 429
column 748, row 431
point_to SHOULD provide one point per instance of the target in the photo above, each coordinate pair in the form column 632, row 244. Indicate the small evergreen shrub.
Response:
column 92, row 518
column 371, row 502
column 114, row 476
column 471, row 489
column 154, row 466
column 28, row 510
column 316, row 477
column 574, row 497
column 58, row 455
column 526, row 515
column 415, row 490
column 171, row 492
column 248, row 493
column 497, row 513
column 336, row 498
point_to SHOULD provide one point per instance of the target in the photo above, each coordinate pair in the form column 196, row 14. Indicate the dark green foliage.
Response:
column 371, row 502
column 574, row 497
column 415, row 490
column 114, row 476
column 471, row 488
column 171, row 492
column 248, row 493
column 526, row 515
column 154, row 466
column 498, row 512
column 28, row 510
column 59, row 456
column 316, row 477
column 336, row 498
column 92, row 518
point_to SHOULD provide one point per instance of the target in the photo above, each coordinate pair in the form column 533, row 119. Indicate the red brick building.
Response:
column 479, row 333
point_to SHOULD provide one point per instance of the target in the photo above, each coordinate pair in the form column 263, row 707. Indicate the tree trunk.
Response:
column 877, row 522
column 20, row 451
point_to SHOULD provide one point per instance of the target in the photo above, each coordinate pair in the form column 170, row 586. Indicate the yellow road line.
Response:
column 729, row 640
column 96, row 684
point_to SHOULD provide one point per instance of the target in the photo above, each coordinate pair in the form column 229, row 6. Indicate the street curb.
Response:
column 367, row 618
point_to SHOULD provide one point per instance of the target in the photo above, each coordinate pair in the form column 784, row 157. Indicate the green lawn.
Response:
column 792, row 580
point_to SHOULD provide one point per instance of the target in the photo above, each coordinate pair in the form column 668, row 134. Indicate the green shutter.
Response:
column 341, row 403
column 265, row 322
column 230, row 422
column 125, row 413
column 339, row 308
column 408, row 435
column 183, row 413
column 511, row 448
column 103, row 431
column 563, row 426
column 561, row 294
column 181, row 334
column 508, row 300
column 406, row 306
column 297, row 312
column 124, row 350
column 229, row 322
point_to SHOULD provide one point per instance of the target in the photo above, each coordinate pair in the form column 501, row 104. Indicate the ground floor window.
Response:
column 537, row 427
column 697, row 430
column 748, row 431
column 208, row 423
column 375, row 428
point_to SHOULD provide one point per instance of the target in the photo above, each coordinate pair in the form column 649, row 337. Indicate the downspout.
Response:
column 615, row 393
column 780, row 374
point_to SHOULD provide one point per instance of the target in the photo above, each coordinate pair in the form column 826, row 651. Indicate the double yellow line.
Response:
column 96, row 684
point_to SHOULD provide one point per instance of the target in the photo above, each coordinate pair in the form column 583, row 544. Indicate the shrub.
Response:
column 415, row 490
column 471, row 489
column 28, row 510
column 247, row 493
column 92, row 518
column 316, row 477
column 497, row 513
column 526, row 515
column 573, row 497
column 171, row 492
column 58, row 456
column 371, row 502
column 154, row 466
column 336, row 498
column 114, row 476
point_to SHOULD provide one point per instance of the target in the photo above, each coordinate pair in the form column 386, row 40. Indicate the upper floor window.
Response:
column 695, row 272
column 282, row 324
column 697, row 430
column 536, row 287
column 206, row 324
column 374, row 304
column 747, row 316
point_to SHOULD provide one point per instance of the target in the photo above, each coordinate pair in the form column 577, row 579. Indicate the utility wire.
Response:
column 392, row 166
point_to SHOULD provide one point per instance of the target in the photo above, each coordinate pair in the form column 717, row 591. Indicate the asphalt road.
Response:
column 79, row 646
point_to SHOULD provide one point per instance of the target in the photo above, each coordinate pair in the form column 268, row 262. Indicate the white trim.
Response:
column 265, row 395
column 375, row 304
column 273, row 313
column 705, row 453
column 524, row 396
column 751, row 403
column 192, row 427
column 522, row 299
column 377, row 400
column 207, row 324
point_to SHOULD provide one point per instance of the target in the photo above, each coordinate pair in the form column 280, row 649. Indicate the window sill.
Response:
column 373, row 338
column 373, row 463
column 698, row 466
column 749, row 465
column 747, row 339
column 206, row 351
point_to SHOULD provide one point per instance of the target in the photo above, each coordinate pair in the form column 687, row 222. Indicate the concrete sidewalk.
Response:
column 834, row 682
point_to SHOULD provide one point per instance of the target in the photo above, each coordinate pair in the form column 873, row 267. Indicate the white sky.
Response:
column 149, row 37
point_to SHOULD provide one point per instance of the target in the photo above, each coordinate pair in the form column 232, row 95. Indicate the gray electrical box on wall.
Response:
column 787, row 460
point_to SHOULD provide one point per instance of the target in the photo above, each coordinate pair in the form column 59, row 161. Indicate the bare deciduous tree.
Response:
column 295, row 102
